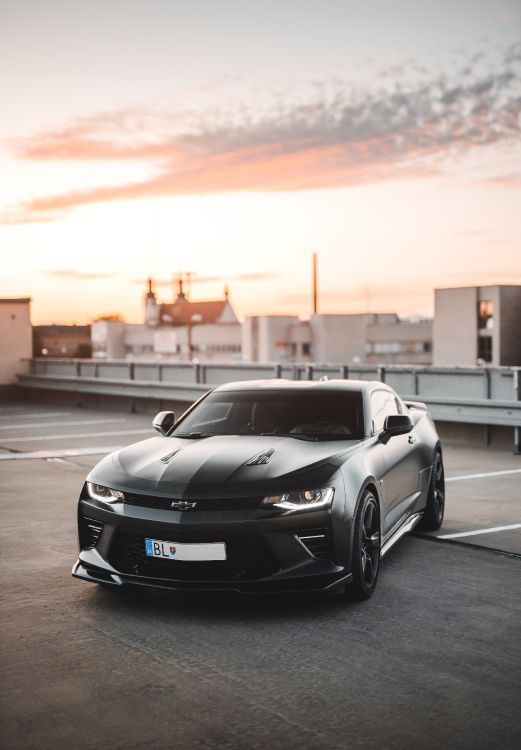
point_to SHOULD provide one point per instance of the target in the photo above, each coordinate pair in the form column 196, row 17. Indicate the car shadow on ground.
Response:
column 228, row 605
column 218, row 605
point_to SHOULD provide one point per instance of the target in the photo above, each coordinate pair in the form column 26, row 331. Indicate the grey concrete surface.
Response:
column 483, row 502
column 432, row 660
column 20, row 428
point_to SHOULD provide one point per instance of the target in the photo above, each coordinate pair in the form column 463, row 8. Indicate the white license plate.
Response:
column 185, row 551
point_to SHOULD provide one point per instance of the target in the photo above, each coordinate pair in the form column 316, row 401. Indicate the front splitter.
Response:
column 317, row 583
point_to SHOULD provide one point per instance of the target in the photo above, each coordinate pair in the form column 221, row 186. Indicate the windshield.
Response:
column 312, row 415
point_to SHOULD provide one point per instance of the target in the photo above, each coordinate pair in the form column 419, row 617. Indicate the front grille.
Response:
column 317, row 542
column 164, row 503
column 89, row 532
column 248, row 557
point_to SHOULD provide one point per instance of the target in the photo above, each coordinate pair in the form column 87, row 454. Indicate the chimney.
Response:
column 151, row 307
column 150, row 294
column 315, row 284
column 181, row 293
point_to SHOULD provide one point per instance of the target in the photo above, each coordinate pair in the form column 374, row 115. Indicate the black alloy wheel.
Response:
column 435, row 508
column 366, row 548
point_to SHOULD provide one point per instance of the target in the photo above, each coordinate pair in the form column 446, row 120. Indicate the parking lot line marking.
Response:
column 484, row 474
column 35, row 415
column 480, row 531
column 58, row 424
column 72, row 435
column 63, row 453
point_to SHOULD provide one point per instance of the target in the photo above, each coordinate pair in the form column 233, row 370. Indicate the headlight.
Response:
column 303, row 500
column 105, row 494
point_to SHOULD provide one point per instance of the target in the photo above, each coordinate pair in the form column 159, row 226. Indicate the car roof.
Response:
column 281, row 384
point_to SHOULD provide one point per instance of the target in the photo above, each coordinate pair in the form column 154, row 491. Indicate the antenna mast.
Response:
column 315, row 284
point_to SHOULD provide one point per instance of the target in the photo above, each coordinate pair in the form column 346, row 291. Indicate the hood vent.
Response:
column 169, row 456
column 261, row 458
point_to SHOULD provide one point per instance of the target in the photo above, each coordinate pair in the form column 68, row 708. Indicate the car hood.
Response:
column 220, row 466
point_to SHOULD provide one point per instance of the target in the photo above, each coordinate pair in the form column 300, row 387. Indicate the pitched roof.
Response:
column 181, row 312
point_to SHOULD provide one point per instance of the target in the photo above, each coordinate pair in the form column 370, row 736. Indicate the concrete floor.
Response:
column 431, row 661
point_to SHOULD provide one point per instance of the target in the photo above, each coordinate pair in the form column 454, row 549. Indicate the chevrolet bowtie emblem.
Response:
column 183, row 505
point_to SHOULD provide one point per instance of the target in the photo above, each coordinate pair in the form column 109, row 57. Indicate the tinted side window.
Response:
column 383, row 403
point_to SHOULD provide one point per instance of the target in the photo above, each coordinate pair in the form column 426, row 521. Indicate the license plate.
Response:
column 185, row 551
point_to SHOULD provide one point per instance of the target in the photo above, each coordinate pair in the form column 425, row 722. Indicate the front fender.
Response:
column 361, row 470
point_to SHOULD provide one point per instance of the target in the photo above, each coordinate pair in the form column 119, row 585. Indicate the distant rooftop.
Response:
column 182, row 311
column 15, row 300
column 57, row 329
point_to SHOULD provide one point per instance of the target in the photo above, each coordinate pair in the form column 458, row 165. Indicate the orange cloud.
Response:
column 247, row 169
column 359, row 138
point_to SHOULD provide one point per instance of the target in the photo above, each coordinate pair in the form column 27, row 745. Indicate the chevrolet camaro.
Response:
column 268, row 485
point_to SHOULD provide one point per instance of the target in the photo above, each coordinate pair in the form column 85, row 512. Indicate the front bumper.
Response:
column 318, row 583
column 266, row 551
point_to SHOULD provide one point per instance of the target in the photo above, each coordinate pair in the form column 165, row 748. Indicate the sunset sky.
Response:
column 231, row 138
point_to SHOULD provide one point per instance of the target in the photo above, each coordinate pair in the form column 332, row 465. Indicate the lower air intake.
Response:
column 317, row 542
column 90, row 532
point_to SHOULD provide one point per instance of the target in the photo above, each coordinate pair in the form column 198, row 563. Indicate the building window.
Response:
column 485, row 315
column 306, row 349
column 386, row 347
column 427, row 346
column 485, row 348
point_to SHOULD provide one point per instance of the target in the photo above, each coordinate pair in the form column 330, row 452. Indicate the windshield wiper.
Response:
column 327, row 436
column 312, row 436
column 191, row 435
column 296, row 435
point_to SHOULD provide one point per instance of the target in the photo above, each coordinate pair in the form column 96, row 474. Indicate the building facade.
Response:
column 16, row 338
column 367, row 338
column 182, row 330
column 113, row 339
column 276, row 338
column 477, row 326
column 61, row 341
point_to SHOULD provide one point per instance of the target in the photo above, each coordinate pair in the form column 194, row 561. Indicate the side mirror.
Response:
column 163, row 422
column 397, row 424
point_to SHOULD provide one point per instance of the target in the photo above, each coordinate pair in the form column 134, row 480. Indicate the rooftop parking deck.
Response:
column 432, row 660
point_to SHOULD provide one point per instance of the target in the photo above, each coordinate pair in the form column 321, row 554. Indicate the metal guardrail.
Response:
column 470, row 395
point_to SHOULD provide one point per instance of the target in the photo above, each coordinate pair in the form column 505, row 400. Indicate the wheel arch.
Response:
column 370, row 483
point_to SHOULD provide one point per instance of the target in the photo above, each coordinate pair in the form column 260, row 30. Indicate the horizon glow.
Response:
column 178, row 139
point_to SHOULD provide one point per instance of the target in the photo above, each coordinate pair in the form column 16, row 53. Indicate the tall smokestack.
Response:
column 315, row 284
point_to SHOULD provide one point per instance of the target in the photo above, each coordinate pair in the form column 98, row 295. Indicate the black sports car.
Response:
column 265, row 485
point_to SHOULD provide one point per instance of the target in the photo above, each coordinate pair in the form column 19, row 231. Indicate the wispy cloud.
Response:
column 489, row 276
column 78, row 275
column 506, row 180
column 340, row 137
column 22, row 215
column 199, row 279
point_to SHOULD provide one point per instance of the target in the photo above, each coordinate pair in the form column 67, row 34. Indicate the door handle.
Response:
column 412, row 439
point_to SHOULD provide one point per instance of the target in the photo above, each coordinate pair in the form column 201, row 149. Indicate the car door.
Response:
column 402, row 464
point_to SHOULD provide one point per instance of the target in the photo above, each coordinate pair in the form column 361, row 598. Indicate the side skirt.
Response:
column 407, row 525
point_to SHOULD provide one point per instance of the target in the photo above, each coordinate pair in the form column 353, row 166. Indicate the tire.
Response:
column 365, row 563
column 434, row 510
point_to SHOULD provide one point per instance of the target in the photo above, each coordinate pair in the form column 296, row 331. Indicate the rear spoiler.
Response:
column 416, row 405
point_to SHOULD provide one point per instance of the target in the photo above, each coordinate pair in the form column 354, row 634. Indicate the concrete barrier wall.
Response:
column 460, row 395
